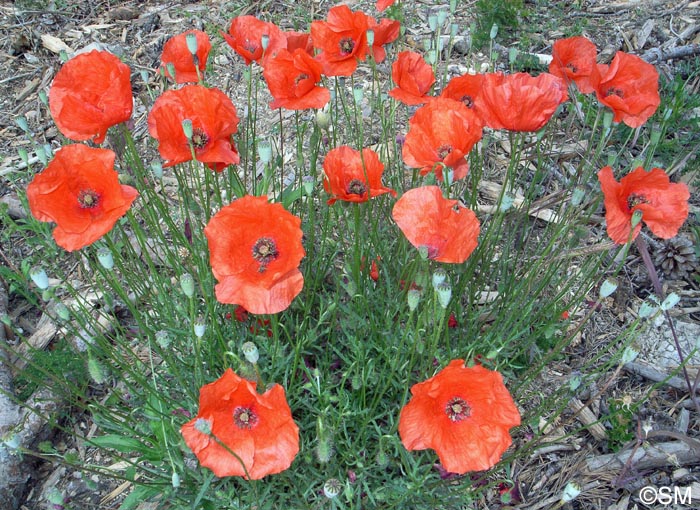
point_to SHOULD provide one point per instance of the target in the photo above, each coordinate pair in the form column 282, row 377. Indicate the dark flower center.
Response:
column 302, row 76
column 457, row 409
column 357, row 187
column 346, row 46
column 634, row 200
column 572, row 68
column 468, row 101
column 199, row 138
column 613, row 91
column 265, row 251
column 88, row 198
column 250, row 46
column 244, row 418
column 444, row 150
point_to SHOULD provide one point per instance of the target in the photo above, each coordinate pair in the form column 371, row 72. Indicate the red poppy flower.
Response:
column 292, row 79
column 383, row 4
column 300, row 40
column 519, row 102
column 353, row 177
column 464, row 414
column 441, row 133
column 630, row 88
column 447, row 229
column 342, row 40
column 255, row 250
column 245, row 37
column 251, row 435
column 175, row 52
column 90, row 94
column 413, row 77
column 573, row 59
column 214, row 120
column 464, row 88
column 80, row 192
column 664, row 205
column 385, row 32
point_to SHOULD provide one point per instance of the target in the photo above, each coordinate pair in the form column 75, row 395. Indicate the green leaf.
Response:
column 121, row 444
column 138, row 495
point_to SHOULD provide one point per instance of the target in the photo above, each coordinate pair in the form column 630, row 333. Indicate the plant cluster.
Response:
column 225, row 266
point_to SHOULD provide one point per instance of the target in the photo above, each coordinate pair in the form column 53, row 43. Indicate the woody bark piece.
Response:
column 652, row 374
column 46, row 329
column 652, row 456
column 588, row 419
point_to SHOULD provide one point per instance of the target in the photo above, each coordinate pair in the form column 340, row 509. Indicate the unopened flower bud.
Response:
column 494, row 31
column 370, row 37
column 250, row 351
column 187, row 284
column 157, row 170
column 175, row 480
column 358, row 93
column 608, row 287
column 105, row 258
column 203, row 425
column 23, row 156
column 571, row 492
column 43, row 97
column 41, row 154
column 444, row 294
column 423, row 252
column 307, row 182
column 62, row 311
column 265, row 151
column 323, row 120
column 39, row 277
column 163, row 339
column 96, row 371
column 191, row 40
column 170, row 67
column 413, row 297
column 264, row 41
column 187, row 128
column 441, row 17
column 432, row 22
column 453, row 6
column 577, row 196
column 607, row 119
column 21, row 121
column 332, row 488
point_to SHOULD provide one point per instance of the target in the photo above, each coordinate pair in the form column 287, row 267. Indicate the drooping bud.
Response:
column 191, row 40
column 39, row 277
